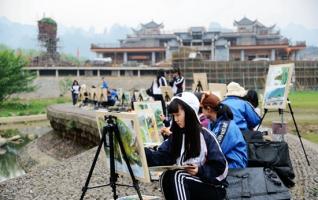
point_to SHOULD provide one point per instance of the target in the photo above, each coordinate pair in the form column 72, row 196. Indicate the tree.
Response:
column 13, row 78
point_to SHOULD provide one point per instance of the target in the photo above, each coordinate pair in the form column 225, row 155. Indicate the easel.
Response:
column 167, row 97
column 123, row 98
column 111, row 129
column 140, row 98
column 198, row 87
column 281, row 113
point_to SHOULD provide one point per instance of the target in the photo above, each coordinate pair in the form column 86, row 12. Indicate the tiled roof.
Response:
column 151, row 24
column 244, row 21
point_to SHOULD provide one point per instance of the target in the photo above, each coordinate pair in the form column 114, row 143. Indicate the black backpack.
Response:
column 255, row 184
column 274, row 155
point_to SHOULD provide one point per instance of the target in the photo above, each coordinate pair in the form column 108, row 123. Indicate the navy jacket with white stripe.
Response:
column 213, row 171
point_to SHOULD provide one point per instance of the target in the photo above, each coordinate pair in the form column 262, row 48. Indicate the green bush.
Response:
column 13, row 78
column 9, row 133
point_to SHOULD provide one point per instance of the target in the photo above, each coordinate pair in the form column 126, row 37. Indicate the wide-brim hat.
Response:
column 234, row 89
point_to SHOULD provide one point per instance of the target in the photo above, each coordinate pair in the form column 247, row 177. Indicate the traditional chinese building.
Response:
column 251, row 41
column 145, row 46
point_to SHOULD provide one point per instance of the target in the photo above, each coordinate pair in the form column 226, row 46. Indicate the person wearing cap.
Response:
column 244, row 114
column 226, row 131
column 193, row 147
column 177, row 82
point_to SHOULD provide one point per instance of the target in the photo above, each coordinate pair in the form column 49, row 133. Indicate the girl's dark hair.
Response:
column 252, row 97
column 191, row 130
column 160, row 74
column 176, row 70
column 225, row 111
column 75, row 81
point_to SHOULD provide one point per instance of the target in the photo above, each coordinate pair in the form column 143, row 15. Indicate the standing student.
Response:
column 157, row 83
column 75, row 89
column 226, row 131
column 190, row 145
column 244, row 114
column 177, row 82
column 104, row 84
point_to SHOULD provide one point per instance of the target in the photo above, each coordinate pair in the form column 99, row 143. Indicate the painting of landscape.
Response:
column 156, row 108
column 129, row 130
column 148, row 128
column 277, row 86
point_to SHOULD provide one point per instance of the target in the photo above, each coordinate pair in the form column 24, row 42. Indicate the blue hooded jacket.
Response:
column 245, row 116
column 233, row 144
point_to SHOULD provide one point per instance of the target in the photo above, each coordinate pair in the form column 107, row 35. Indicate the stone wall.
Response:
column 75, row 123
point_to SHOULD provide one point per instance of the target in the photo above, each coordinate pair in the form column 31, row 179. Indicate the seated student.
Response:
column 111, row 98
column 226, row 131
column 245, row 116
column 252, row 98
column 203, row 119
column 190, row 145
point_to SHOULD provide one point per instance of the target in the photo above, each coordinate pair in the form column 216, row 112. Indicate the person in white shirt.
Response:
column 75, row 91
column 157, row 83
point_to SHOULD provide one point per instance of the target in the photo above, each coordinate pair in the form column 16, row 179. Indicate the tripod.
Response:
column 111, row 128
column 167, row 97
column 140, row 98
column 281, row 111
column 199, row 87
column 123, row 99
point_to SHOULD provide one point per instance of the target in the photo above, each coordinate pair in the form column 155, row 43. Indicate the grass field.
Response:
column 304, row 100
column 17, row 107
column 305, row 108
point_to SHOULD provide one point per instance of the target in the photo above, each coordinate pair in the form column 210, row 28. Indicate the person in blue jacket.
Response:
column 226, row 131
column 245, row 116
column 195, row 148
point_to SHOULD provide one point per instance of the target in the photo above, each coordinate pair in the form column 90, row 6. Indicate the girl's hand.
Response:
column 165, row 131
column 192, row 169
column 162, row 117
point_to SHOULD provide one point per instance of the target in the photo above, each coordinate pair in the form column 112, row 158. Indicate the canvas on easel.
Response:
column 93, row 93
column 138, row 96
column 102, row 94
column 156, row 108
column 148, row 128
column 200, row 82
column 218, row 89
column 144, row 95
column 277, row 86
column 83, row 93
column 125, row 98
column 128, row 126
column 120, row 94
column 167, row 93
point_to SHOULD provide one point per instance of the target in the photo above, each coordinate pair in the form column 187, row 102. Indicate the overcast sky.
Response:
column 175, row 14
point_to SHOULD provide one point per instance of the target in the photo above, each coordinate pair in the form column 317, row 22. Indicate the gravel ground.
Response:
column 64, row 180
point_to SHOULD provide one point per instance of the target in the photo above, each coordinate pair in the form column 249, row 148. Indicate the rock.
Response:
column 2, row 151
column 14, row 138
column 32, row 136
column 3, row 141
